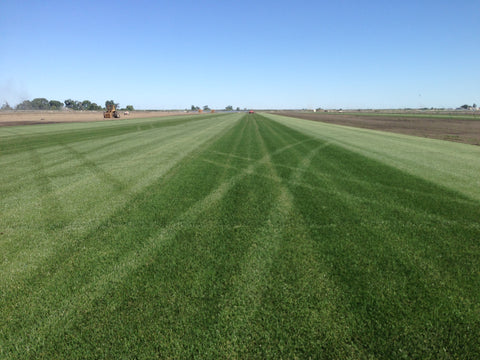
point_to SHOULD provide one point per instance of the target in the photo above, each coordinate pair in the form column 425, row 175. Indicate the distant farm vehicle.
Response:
column 251, row 112
column 111, row 112
column 126, row 113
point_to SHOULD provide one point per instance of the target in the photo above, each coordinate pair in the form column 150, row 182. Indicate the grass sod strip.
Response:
column 455, row 166
column 264, row 243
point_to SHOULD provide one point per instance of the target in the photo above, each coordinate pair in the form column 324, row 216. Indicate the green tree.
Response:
column 238, row 109
column 85, row 104
column 129, row 108
column 55, row 105
column 69, row 103
column 24, row 105
column 206, row 108
column 94, row 106
column 229, row 108
column 40, row 104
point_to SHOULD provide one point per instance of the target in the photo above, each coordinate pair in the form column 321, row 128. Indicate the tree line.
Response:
column 207, row 108
column 45, row 104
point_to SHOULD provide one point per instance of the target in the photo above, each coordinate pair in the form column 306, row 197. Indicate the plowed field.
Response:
column 449, row 128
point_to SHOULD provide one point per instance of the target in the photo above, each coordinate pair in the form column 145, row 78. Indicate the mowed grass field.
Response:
column 237, row 236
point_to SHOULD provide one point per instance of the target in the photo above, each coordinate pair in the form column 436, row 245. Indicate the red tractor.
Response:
column 251, row 112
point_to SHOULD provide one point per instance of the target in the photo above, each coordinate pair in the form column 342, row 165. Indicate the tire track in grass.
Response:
column 243, row 300
column 248, row 159
column 338, row 339
column 312, row 320
column 242, row 323
column 324, row 325
column 57, row 147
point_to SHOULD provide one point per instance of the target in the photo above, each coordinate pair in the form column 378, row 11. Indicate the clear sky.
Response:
column 249, row 53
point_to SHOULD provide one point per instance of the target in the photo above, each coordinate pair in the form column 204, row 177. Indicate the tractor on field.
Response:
column 111, row 112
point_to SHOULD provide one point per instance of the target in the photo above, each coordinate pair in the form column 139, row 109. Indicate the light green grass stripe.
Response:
column 452, row 165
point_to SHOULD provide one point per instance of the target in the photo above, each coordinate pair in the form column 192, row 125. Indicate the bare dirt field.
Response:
column 451, row 129
column 13, row 118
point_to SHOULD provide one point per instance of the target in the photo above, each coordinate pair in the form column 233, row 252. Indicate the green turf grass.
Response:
column 236, row 236
column 455, row 166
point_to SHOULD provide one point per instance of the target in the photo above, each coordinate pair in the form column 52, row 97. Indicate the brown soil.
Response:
column 12, row 118
column 458, row 130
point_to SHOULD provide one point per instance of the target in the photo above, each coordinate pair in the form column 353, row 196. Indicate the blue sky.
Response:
column 253, row 54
